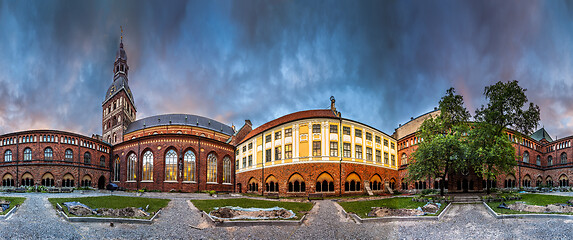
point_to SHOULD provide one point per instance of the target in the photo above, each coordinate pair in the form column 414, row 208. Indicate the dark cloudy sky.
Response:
column 384, row 61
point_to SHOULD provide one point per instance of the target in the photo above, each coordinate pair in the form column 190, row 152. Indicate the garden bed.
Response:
column 109, row 205
column 362, row 208
column 13, row 203
column 532, row 202
column 299, row 209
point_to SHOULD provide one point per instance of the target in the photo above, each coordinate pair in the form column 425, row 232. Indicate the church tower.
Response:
column 118, row 107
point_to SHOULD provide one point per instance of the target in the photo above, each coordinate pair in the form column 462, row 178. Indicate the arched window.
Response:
column 563, row 181
column 48, row 180
column 102, row 161
column 69, row 155
column 526, row 157
column 549, row 160
column 171, row 165
column 539, row 181
column 7, row 180
column 376, row 183
column 538, row 160
column 212, row 168
column 526, row 181
column 271, row 184
column 549, row 181
column 87, row 158
column 352, row 183
column 147, row 166
column 563, row 158
column 227, row 170
column 296, row 183
column 131, row 167
column 189, row 166
column 509, row 181
column 324, row 183
column 68, row 180
column 116, row 168
column 48, row 154
column 86, row 181
column 27, row 179
column 404, row 159
column 8, row 156
column 253, row 185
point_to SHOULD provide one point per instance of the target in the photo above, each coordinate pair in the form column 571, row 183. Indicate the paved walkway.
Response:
column 36, row 219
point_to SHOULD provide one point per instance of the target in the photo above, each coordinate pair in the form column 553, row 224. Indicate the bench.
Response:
column 315, row 196
column 53, row 190
column 274, row 195
column 66, row 190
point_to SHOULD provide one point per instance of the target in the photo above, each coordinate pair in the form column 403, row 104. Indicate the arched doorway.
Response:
column 101, row 182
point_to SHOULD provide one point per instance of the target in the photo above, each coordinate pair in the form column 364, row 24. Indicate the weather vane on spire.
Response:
column 121, row 28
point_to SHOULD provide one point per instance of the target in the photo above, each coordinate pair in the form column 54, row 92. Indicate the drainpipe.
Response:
column 341, row 150
column 519, row 165
column 17, row 163
column 198, row 165
column 139, row 163
column 263, row 163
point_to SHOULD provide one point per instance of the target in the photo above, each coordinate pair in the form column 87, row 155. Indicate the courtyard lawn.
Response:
column 362, row 208
column 531, row 199
column 209, row 205
column 13, row 202
column 115, row 202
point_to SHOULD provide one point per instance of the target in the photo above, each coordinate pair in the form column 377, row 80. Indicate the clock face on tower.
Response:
column 112, row 90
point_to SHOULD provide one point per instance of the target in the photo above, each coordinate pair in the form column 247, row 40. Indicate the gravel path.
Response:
column 36, row 219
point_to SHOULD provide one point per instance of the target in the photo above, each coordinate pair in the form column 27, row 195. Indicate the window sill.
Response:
column 212, row 183
column 171, row 181
column 147, row 181
column 228, row 184
column 131, row 181
column 189, row 182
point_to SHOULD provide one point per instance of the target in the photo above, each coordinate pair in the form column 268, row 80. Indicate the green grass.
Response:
column 209, row 205
column 114, row 202
column 13, row 202
column 362, row 208
column 531, row 199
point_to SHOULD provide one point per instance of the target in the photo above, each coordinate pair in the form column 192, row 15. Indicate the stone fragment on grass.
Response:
column 431, row 208
column 551, row 208
column 122, row 212
column 383, row 212
column 229, row 213
column 80, row 210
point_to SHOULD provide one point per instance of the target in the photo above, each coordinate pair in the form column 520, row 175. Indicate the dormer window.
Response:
column 122, row 68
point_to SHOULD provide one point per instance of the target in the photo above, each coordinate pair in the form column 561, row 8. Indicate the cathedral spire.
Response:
column 120, row 67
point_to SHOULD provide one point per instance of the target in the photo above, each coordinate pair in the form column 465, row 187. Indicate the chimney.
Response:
column 332, row 106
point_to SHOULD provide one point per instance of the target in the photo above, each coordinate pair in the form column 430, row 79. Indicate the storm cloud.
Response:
column 384, row 61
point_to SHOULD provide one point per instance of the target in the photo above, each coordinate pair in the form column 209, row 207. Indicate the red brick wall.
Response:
column 58, row 167
column 310, row 171
column 159, row 145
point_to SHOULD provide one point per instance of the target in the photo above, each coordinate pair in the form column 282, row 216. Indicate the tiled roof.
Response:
column 180, row 119
column 322, row 113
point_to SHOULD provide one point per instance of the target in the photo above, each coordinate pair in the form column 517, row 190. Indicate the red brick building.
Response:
column 53, row 158
column 541, row 161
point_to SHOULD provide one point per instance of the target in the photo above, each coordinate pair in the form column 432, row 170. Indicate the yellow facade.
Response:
column 297, row 141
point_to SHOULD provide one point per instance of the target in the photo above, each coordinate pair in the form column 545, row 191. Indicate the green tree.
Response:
column 491, row 152
column 442, row 148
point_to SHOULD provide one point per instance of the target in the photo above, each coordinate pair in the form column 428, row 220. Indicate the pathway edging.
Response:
column 358, row 219
column 505, row 216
